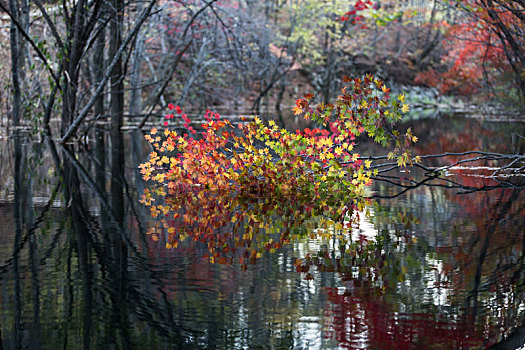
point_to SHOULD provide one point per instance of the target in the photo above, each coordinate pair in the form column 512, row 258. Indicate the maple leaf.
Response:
column 297, row 110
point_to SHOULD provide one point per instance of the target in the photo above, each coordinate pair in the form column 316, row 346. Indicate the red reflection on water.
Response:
column 363, row 319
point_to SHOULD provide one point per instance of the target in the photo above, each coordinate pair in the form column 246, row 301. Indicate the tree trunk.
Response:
column 119, row 271
column 15, row 57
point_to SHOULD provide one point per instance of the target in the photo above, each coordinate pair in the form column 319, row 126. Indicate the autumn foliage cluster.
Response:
column 224, row 177
column 483, row 48
column 354, row 14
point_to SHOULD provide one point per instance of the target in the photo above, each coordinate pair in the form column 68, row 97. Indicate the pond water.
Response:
column 438, row 264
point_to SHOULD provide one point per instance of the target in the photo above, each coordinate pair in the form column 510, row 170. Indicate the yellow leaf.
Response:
column 297, row 110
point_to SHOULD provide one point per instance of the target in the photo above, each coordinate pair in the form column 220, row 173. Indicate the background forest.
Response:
column 69, row 64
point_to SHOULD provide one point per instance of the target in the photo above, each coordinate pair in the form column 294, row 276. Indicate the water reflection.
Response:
column 458, row 288
column 427, row 268
column 79, row 276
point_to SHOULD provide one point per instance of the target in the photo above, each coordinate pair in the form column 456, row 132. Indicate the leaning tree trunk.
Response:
column 72, row 64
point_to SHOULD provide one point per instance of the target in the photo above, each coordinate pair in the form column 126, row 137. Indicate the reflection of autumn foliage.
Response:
column 493, row 241
column 366, row 312
column 490, row 223
column 461, row 135
column 476, row 268
column 362, row 318
column 489, row 251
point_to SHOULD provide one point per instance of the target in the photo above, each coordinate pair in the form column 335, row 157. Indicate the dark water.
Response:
column 438, row 265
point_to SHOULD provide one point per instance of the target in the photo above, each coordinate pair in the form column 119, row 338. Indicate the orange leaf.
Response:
column 297, row 110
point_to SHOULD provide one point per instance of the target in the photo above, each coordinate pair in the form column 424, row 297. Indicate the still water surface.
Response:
column 439, row 265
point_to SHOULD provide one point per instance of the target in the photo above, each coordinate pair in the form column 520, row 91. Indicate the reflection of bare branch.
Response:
column 514, row 341
column 32, row 230
column 445, row 183
column 406, row 188
column 142, row 303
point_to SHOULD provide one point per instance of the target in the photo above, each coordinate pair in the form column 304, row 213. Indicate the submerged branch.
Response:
column 507, row 167
column 513, row 159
